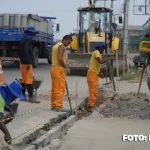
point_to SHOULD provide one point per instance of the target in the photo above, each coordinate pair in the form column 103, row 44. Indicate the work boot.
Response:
column 23, row 92
column 90, row 109
column 33, row 100
column 60, row 110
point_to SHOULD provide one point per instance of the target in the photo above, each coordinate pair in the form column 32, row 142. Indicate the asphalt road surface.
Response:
column 11, row 71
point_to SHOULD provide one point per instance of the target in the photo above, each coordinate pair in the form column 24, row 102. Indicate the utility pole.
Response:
column 104, row 3
column 112, row 3
column 125, row 33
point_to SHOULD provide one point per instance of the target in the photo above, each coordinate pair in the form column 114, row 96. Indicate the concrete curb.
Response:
column 31, row 147
column 47, row 126
column 55, row 133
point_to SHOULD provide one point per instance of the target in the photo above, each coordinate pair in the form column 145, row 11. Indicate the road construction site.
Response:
column 37, row 127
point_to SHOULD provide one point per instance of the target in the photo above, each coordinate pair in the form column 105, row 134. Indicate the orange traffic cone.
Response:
column 1, row 74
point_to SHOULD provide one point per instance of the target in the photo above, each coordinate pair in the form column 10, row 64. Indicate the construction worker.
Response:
column 58, row 70
column 8, row 93
column 148, row 71
column 148, row 66
column 93, row 73
column 26, row 58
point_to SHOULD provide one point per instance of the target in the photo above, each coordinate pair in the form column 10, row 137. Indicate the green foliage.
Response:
column 132, row 75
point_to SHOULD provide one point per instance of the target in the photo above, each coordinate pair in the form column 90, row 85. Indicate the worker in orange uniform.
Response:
column 26, row 59
column 58, row 70
column 94, row 72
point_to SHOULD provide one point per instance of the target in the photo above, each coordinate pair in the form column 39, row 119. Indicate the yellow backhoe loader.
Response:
column 94, row 25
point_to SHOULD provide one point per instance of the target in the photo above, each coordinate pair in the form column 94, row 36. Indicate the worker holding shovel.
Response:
column 93, row 73
column 147, row 66
column 58, row 73
column 8, row 94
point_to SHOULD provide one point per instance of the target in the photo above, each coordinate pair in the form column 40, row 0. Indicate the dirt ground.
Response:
column 126, row 106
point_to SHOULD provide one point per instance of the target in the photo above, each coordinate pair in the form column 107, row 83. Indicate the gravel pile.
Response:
column 126, row 106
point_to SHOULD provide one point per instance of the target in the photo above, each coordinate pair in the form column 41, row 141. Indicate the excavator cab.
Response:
column 95, row 25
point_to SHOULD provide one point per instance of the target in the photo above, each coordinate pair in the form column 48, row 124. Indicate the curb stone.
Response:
column 55, row 133
column 67, row 123
column 31, row 147
column 47, row 125
column 41, row 142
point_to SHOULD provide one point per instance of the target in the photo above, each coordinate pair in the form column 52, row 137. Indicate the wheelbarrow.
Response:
column 36, row 84
column 14, row 107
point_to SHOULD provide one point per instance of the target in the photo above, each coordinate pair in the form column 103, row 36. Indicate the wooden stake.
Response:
column 76, row 101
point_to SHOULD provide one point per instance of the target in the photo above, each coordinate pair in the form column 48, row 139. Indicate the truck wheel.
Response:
column 36, row 56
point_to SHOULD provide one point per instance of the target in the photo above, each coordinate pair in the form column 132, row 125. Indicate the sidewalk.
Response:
column 28, row 121
column 106, row 134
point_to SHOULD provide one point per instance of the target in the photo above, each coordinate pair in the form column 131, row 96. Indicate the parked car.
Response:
column 138, row 60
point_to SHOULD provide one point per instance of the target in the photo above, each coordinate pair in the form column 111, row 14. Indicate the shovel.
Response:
column 108, row 68
column 69, row 99
column 112, row 78
column 143, row 70
column 112, row 75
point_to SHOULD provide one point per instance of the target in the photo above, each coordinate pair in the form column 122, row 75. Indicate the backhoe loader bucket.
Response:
column 79, row 63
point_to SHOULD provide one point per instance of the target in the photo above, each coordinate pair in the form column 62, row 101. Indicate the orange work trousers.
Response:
column 92, row 80
column 58, row 86
column 27, row 75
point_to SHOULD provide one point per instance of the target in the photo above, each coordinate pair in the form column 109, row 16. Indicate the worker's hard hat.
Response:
column 31, row 29
column 100, row 44
column 147, row 35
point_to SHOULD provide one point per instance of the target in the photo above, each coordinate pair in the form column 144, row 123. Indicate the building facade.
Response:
column 134, row 38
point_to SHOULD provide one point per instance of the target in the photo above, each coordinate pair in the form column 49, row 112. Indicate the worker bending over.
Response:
column 58, row 70
column 27, row 58
column 93, row 73
column 8, row 94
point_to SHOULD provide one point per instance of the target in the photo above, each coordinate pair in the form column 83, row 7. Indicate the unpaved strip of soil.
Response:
column 127, row 105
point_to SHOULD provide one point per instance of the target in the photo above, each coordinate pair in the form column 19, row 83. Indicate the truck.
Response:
column 12, row 28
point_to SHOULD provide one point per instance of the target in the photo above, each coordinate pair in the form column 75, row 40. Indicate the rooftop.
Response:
column 131, row 27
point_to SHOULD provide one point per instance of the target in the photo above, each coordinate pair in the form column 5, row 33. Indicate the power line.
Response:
column 49, row 11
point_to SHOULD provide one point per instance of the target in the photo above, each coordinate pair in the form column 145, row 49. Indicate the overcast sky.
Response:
column 64, row 10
